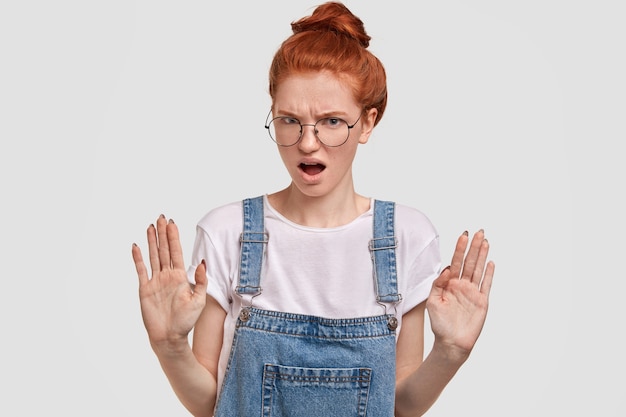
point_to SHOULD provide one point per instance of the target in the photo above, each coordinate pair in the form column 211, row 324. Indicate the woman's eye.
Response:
column 290, row 121
column 332, row 122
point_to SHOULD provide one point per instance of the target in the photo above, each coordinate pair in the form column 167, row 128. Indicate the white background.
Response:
column 502, row 115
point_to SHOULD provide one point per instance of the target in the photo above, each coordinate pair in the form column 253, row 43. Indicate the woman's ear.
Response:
column 368, row 120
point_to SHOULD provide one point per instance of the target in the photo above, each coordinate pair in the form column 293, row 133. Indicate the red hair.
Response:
column 333, row 39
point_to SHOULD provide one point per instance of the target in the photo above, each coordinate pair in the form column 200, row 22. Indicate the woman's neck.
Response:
column 318, row 211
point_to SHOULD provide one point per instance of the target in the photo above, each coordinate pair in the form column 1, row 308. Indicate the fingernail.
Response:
column 162, row 216
column 171, row 221
column 466, row 233
column 134, row 245
column 482, row 230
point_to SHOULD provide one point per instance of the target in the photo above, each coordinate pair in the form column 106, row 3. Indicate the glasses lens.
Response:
column 332, row 131
column 285, row 131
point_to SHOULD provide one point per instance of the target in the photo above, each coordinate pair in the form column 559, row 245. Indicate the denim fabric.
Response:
column 283, row 364
column 382, row 247
column 253, row 240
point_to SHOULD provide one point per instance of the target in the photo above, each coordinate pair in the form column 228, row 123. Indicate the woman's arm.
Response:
column 192, row 372
column 170, row 309
column 457, row 307
column 419, row 382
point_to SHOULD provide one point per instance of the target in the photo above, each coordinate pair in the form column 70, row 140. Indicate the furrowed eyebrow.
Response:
column 324, row 115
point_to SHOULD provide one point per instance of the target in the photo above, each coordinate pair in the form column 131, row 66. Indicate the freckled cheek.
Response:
column 285, row 154
column 344, row 155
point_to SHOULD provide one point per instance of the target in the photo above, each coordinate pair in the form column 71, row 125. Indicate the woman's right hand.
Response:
column 170, row 305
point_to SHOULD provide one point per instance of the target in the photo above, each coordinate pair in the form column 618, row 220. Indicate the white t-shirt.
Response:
column 324, row 272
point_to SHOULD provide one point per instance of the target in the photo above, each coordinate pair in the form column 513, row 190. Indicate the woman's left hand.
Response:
column 458, row 301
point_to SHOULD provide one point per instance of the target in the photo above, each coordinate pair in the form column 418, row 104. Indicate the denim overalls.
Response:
column 293, row 365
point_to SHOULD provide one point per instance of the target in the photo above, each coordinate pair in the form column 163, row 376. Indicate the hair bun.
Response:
column 334, row 17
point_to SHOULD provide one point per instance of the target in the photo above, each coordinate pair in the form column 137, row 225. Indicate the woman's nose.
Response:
column 309, row 141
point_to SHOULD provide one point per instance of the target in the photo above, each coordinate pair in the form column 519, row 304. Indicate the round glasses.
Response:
column 287, row 131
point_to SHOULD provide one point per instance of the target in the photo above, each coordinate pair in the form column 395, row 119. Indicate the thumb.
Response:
column 442, row 281
column 200, row 278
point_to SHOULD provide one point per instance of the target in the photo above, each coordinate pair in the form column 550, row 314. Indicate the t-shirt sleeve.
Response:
column 216, row 241
column 425, row 269
column 420, row 252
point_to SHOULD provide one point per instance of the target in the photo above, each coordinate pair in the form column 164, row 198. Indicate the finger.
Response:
column 485, row 286
column 441, row 282
column 457, row 257
column 164, row 249
column 153, row 249
column 201, row 279
column 173, row 240
column 472, row 254
column 479, row 268
column 142, row 272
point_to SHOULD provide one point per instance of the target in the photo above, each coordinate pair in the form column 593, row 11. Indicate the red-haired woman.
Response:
column 311, row 300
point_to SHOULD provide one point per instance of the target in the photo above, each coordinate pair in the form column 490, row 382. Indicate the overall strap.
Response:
column 253, row 240
column 383, row 251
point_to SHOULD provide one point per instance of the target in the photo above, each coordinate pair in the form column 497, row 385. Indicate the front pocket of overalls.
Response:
column 297, row 392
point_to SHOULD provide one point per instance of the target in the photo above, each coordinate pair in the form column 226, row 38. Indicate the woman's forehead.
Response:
column 319, row 91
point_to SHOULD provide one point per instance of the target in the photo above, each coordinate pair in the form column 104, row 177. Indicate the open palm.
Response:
column 170, row 306
column 459, row 299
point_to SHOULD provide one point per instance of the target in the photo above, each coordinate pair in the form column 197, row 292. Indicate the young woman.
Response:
column 311, row 300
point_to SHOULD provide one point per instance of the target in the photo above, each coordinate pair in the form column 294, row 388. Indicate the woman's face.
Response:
column 316, row 169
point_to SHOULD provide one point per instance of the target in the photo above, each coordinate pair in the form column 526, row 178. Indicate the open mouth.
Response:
column 312, row 169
